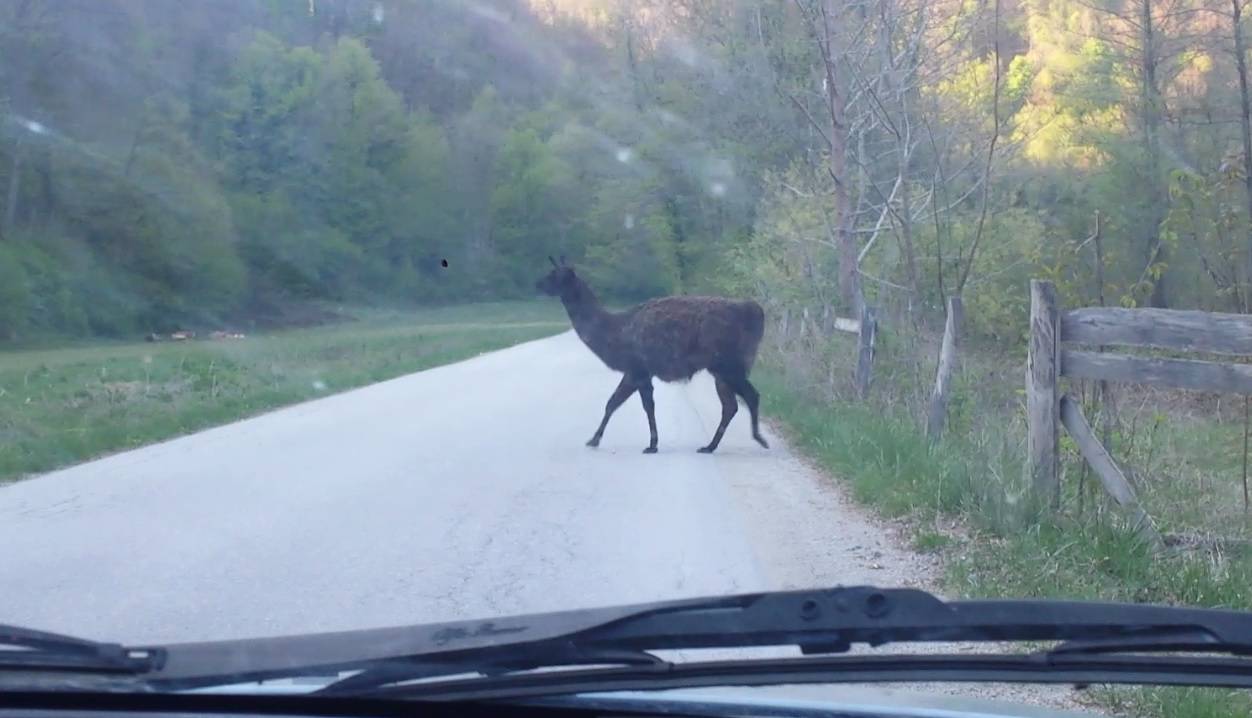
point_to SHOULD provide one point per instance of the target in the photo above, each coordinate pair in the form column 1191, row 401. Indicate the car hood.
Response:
column 798, row 700
column 823, row 700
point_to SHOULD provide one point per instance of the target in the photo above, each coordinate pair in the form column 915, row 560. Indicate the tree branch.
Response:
column 991, row 150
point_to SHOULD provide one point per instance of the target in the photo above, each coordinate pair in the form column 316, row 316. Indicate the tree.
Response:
column 528, row 204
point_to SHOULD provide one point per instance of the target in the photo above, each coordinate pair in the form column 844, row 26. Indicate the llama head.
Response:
column 559, row 281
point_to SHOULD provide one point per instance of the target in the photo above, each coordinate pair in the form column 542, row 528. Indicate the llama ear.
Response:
column 554, row 264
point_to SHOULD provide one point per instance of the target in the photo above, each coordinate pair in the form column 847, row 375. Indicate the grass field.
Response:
column 63, row 405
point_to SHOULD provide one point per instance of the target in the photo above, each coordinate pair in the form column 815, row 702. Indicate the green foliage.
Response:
column 14, row 294
column 530, row 207
column 995, row 304
column 324, row 154
column 789, row 249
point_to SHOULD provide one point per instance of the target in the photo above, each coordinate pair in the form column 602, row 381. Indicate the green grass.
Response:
column 1183, row 702
column 1191, row 471
column 890, row 465
column 930, row 542
column 64, row 405
column 1011, row 549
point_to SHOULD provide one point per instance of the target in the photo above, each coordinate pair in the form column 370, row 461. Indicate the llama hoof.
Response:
column 705, row 450
column 650, row 450
column 593, row 442
column 761, row 441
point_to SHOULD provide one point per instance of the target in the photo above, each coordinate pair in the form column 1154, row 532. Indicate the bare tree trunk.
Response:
column 1108, row 400
column 15, row 178
column 836, row 105
column 906, row 231
column 1156, row 250
column 133, row 152
column 636, row 93
column 896, row 82
column 948, row 358
column 991, row 153
column 1245, row 110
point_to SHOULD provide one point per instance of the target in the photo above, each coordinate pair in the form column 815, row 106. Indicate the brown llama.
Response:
column 670, row 338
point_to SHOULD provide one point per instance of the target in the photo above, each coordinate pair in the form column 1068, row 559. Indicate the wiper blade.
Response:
column 1194, row 640
column 1078, row 669
column 405, row 670
column 820, row 621
column 28, row 649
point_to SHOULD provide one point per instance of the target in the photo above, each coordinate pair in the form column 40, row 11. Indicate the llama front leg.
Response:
column 620, row 394
column 730, row 406
column 649, row 408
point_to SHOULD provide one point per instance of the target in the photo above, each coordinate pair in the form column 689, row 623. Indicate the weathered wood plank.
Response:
column 1160, row 328
column 938, row 413
column 851, row 326
column 1218, row 377
column 865, row 350
column 1107, row 470
column 1042, row 398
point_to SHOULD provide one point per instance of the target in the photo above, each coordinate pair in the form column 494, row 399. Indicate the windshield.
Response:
column 319, row 315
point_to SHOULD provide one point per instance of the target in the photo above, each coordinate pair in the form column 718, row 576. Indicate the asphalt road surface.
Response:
column 460, row 492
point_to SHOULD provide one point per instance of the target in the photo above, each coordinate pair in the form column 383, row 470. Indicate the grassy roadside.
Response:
column 60, row 406
column 1004, row 548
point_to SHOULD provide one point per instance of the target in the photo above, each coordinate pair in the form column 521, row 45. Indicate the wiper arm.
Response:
column 822, row 621
column 28, row 649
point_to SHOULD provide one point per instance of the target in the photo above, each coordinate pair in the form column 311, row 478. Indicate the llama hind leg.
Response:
column 752, row 398
column 730, row 406
column 620, row 394
column 649, row 408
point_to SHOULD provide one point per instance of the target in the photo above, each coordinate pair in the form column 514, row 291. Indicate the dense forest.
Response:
column 167, row 164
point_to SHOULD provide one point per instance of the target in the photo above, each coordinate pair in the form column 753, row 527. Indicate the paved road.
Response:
column 458, row 492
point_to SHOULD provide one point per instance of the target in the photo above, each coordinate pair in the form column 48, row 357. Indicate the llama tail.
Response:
column 753, row 330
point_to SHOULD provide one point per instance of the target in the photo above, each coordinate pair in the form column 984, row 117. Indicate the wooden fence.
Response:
column 1048, row 359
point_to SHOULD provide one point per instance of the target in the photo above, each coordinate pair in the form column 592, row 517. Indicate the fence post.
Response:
column 938, row 413
column 1042, row 396
column 865, row 350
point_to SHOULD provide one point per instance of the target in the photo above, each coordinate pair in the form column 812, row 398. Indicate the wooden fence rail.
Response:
column 1047, row 410
column 1175, row 329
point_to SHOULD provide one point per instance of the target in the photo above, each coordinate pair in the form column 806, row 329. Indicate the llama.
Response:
column 670, row 338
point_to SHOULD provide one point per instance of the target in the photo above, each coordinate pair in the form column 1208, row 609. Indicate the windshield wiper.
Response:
column 613, row 648
column 27, row 649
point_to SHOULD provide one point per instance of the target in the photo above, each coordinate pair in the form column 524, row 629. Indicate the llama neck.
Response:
column 596, row 327
column 584, row 308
